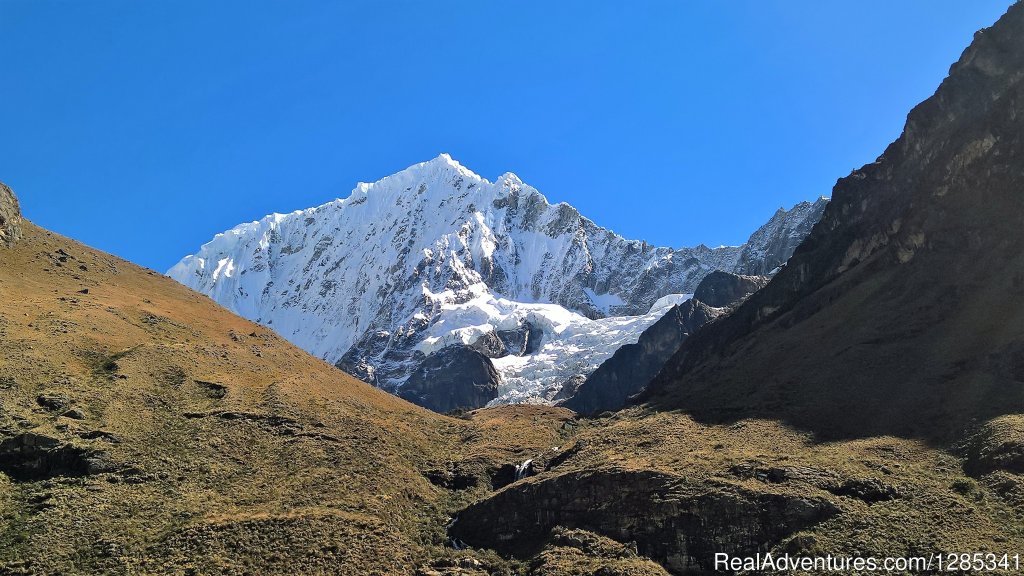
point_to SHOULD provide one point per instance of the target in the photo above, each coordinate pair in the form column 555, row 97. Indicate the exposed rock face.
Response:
column 633, row 366
column 720, row 289
column 490, row 345
column 10, row 217
column 30, row 456
column 453, row 377
column 903, row 310
column 521, row 341
column 435, row 256
column 678, row 524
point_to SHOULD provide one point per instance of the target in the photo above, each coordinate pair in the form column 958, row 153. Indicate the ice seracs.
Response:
column 436, row 255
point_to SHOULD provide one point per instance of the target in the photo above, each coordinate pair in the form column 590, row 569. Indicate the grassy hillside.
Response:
column 214, row 435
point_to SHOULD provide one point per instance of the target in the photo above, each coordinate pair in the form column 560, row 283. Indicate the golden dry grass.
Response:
column 294, row 451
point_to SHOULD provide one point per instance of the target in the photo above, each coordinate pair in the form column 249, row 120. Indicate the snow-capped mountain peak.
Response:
column 436, row 255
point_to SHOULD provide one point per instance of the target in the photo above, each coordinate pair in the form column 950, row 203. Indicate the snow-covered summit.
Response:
column 435, row 255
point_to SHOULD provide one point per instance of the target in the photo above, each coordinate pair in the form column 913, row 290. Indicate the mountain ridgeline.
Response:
column 903, row 311
column 436, row 256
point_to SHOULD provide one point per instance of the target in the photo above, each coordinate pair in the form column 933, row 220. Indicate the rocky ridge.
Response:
column 864, row 330
column 10, row 217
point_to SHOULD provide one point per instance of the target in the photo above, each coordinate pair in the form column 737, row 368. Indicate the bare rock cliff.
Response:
column 10, row 217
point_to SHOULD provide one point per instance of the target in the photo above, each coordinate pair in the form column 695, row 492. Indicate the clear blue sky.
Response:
column 143, row 128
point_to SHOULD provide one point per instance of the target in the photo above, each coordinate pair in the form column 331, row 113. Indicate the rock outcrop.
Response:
column 10, row 217
column 720, row 289
column 30, row 456
column 673, row 521
column 454, row 377
column 903, row 310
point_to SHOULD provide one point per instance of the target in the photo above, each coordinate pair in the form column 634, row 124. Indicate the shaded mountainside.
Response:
column 633, row 366
column 436, row 256
column 903, row 311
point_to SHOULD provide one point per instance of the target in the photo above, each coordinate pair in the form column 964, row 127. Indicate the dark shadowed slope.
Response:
column 633, row 366
column 903, row 311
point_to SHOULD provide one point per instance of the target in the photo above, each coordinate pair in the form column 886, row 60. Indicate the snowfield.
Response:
column 572, row 345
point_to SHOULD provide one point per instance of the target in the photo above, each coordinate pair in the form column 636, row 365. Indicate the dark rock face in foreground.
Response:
column 453, row 377
column 633, row 366
column 678, row 524
column 10, row 217
column 903, row 311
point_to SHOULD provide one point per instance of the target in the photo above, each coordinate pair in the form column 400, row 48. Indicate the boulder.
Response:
column 53, row 401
